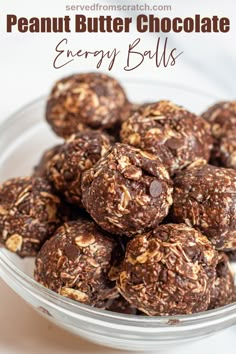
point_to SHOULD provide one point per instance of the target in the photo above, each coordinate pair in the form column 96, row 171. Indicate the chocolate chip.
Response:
column 222, row 269
column 173, row 143
column 192, row 253
column 163, row 275
column 71, row 252
column 218, row 243
column 58, row 165
column 163, row 236
column 155, row 189
column 232, row 255
column 101, row 90
column 68, row 175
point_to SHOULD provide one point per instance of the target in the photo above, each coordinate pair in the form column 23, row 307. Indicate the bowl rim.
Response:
column 73, row 308
column 8, row 270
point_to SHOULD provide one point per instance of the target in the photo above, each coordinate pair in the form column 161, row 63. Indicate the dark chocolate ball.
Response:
column 76, row 155
column 29, row 214
column 222, row 292
column 127, row 191
column 231, row 255
column 222, row 118
column 168, row 271
column 75, row 263
column 177, row 136
column 85, row 101
column 205, row 198
column 227, row 151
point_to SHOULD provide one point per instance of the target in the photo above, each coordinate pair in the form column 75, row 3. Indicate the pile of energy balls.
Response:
column 135, row 212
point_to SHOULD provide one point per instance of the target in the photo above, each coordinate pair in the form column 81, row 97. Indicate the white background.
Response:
column 26, row 72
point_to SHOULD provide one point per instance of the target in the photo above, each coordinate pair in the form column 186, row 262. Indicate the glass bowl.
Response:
column 23, row 137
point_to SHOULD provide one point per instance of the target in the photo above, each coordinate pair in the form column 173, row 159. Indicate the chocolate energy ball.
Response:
column 120, row 305
column 222, row 118
column 8, row 191
column 205, row 197
column 168, row 271
column 40, row 170
column 28, row 214
column 227, row 151
column 165, row 129
column 222, row 292
column 76, row 155
column 85, row 101
column 75, row 263
column 127, row 191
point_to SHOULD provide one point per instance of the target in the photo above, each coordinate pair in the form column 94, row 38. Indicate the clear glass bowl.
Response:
column 23, row 137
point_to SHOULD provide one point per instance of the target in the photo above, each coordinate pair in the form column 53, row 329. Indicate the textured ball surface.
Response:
column 75, row 263
column 127, row 191
column 76, row 155
column 177, row 136
column 29, row 214
column 205, row 198
column 168, row 271
column 85, row 101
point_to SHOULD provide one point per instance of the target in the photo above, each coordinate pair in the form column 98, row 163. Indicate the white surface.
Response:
column 26, row 73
